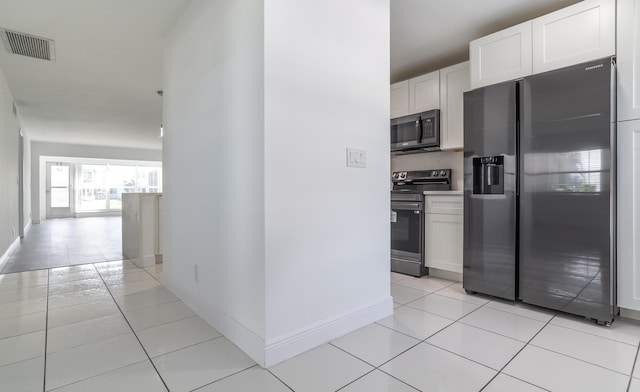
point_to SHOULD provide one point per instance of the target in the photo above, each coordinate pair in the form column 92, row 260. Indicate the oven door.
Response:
column 407, row 225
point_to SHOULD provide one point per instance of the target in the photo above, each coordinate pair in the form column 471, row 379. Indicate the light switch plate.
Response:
column 356, row 157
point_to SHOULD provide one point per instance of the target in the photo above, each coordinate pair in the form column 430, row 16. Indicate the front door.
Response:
column 59, row 190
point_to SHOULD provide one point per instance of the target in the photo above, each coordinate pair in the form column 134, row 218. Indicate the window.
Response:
column 101, row 186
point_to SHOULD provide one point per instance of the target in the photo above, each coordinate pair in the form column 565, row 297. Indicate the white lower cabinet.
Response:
column 629, row 215
column 443, row 232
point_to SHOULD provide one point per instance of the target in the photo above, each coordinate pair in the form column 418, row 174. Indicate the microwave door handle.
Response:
column 419, row 126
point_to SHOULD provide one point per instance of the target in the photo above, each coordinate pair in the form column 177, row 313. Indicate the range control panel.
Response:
column 422, row 176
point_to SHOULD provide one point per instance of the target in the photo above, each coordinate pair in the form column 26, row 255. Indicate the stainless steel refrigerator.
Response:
column 539, row 190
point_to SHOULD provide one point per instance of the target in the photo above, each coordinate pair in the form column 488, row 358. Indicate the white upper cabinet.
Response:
column 415, row 95
column 424, row 92
column 454, row 81
column 575, row 34
column 628, row 48
column 581, row 32
column 400, row 99
column 501, row 56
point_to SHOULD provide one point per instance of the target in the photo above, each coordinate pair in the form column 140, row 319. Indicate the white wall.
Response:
column 39, row 149
column 261, row 100
column 26, row 173
column 9, row 128
column 327, row 225
column 213, row 171
column 432, row 160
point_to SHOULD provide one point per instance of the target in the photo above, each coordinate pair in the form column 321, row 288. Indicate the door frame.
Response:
column 59, row 212
column 20, row 183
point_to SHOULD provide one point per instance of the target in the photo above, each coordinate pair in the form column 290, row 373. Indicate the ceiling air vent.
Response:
column 28, row 45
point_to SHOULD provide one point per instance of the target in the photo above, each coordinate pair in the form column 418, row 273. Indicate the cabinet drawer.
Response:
column 444, row 204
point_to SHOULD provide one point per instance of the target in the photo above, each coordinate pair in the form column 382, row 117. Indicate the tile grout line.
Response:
column 415, row 345
column 46, row 334
column 516, row 354
column 374, row 366
column 220, row 379
column 132, row 330
column 633, row 367
column 278, row 378
column 442, row 329
column 438, row 331
column 589, row 333
column 580, row 359
column 189, row 346
column 459, row 320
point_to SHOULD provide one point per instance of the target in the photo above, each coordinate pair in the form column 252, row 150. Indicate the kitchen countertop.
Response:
column 450, row 193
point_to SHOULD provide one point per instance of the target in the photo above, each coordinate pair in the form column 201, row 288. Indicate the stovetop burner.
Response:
column 418, row 181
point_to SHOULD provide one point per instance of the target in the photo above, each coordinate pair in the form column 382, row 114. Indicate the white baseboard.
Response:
column 9, row 251
column 144, row 261
column 630, row 313
column 27, row 228
column 238, row 334
column 448, row 275
column 282, row 349
column 93, row 214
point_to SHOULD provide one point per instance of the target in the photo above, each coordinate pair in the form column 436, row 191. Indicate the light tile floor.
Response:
column 67, row 241
column 113, row 327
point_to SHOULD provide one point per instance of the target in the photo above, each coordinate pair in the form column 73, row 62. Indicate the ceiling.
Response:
column 101, row 90
column 427, row 35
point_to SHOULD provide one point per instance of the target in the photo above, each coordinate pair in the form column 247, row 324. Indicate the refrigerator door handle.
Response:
column 490, row 179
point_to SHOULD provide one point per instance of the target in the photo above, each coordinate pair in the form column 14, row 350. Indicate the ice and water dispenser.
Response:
column 488, row 175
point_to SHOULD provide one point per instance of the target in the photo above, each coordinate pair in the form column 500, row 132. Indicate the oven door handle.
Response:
column 406, row 206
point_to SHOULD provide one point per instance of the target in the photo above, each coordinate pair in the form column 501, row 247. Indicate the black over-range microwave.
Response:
column 416, row 132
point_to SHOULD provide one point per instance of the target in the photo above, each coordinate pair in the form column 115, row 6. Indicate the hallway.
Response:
column 64, row 242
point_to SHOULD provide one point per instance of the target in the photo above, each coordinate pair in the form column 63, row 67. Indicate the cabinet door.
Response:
column 501, row 56
column 454, row 81
column 575, row 34
column 424, row 92
column 443, row 242
column 629, row 215
column 628, row 59
column 400, row 99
